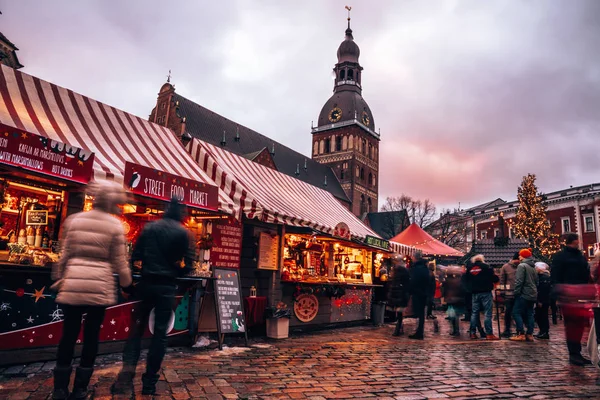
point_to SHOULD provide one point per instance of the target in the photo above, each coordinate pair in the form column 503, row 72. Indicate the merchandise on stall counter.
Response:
column 310, row 259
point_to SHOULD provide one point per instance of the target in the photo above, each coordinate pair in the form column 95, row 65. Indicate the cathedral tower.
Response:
column 345, row 137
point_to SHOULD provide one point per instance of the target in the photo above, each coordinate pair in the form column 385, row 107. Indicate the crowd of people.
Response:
column 529, row 290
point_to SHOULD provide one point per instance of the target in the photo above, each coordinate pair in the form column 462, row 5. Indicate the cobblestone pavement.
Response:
column 361, row 362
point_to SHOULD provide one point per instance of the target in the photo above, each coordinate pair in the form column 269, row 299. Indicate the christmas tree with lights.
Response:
column 532, row 221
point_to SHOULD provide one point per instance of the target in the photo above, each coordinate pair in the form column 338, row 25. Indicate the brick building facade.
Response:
column 573, row 210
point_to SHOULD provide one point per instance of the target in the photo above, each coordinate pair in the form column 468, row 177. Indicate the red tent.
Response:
column 416, row 237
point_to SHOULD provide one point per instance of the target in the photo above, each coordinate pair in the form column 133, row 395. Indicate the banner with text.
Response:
column 150, row 182
column 46, row 156
column 227, row 243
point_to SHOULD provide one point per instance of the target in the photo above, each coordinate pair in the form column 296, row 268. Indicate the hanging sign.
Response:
column 342, row 231
column 46, row 156
column 268, row 251
column 150, row 182
column 36, row 217
column 377, row 242
column 227, row 243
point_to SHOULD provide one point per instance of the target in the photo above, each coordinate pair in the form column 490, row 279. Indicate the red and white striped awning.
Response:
column 402, row 248
column 271, row 196
column 33, row 105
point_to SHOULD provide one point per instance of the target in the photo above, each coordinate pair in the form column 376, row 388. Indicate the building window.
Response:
column 589, row 223
column 327, row 146
column 370, row 179
column 374, row 180
column 342, row 174
column 591, row 251
column 483, row 235
column 511, row 233
column 315, row 148
column 566, row 224
column 345, row 143
column 357, row 171
column 342, row 75
column 369, row 205
column 338, row 143
column 362, row 174
column 163, row 105
column 364, row 146
column 496, row 232
column 350, row 75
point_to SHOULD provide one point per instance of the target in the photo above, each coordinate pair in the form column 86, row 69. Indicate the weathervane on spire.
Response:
column 169, row 77
column 349, row 9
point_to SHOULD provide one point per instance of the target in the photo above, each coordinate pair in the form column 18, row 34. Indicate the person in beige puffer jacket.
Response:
column 93, row 249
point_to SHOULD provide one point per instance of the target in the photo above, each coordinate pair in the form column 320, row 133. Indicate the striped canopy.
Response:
column 33, row 105
column 271, row 196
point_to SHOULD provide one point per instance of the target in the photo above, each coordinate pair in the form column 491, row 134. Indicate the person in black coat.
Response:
column 420, row 286
column 399, row 290
column 570, row 277
column 543, row 300
column 165, row 251
column 431, row 294
column 455, row 297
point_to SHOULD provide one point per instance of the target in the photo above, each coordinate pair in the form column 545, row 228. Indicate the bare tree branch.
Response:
column 421, row 212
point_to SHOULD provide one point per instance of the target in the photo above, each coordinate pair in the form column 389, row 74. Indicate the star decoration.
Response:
column 112, row 322
column 39, row 294
column 30, row 320
column 57, row 315
column 24, row 135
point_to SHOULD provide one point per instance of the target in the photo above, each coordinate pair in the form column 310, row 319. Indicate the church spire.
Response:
column 349, row 30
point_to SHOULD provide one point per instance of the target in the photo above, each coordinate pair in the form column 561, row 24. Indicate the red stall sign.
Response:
column 227, row 243
column 45, row 156
column 150, row 182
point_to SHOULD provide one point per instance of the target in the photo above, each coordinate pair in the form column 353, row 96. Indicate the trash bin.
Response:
column 378, row 313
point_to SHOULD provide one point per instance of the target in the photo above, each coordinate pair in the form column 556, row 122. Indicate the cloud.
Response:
column 469, row 96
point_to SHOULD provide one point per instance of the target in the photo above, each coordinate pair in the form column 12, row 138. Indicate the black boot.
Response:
column 455, row 327
column 149, row 383
column 82, row 380
column 62, row 377
column 124, row 382
column 399, row 330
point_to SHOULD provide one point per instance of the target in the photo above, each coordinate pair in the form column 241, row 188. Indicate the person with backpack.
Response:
column 526, row 293
column 543, row 300
column 165, row 251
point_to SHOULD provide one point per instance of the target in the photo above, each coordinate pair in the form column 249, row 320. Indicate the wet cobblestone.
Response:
column 351, row 363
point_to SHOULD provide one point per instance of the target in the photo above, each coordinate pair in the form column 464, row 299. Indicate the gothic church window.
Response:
column 321, row 146
column 315, row 148
column 345, row 143
column 351, row 142
column 327, row 146
column 362, row 174
column 370, row 179
column 338, row 143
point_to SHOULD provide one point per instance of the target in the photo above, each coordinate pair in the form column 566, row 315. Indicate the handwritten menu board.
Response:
column 36, row 217
column 230, row 308
column 227, row 243
column 268, row 251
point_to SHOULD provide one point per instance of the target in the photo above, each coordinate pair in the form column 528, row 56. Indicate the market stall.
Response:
column 52, row 141
column 297, row 238
column 415, row 237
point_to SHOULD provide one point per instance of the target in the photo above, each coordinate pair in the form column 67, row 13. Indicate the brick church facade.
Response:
column 345, row 138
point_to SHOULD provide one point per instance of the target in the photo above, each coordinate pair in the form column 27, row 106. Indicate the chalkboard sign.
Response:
column 230, row 308
column 36, row 217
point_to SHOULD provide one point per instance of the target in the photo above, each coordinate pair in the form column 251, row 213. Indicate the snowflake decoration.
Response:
column 57, row 315
column 5, row 307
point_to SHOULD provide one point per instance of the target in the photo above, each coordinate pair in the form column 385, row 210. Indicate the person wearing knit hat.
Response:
column 508, row 277
column 525, row 253
column 525, row 296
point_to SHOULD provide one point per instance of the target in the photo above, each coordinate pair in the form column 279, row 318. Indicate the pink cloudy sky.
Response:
column 469, row 95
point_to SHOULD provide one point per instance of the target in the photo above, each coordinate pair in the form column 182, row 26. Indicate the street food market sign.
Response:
column 149, row 182
column 46, row 156
column 377, row 243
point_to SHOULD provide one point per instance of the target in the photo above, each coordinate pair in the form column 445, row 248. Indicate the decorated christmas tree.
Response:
column 531, row 220
column 182, row 312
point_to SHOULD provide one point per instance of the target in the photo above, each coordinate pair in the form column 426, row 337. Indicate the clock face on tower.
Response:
column 335, row 114
column 365, row 118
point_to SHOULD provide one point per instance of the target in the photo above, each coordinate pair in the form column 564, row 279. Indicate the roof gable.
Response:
column 217, row 130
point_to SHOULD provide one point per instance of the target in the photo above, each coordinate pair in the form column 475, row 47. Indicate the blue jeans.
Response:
column 523, row 307
column 482, row 302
